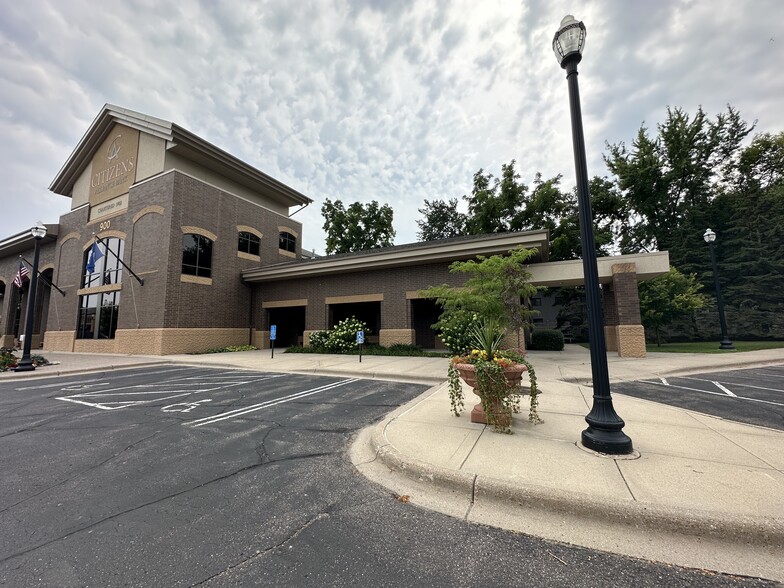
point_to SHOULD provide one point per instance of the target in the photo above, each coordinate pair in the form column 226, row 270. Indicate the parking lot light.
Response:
column 605, row 428
column 710, row 239
column 26, row 363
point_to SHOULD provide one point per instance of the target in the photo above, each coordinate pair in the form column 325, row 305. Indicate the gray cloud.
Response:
column 361, row 100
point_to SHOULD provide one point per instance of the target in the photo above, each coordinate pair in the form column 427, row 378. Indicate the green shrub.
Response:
column 319, row 339
column 404, row 349
column 340, row 339
column 9, row 361
column 547, row 340
column 230, row 348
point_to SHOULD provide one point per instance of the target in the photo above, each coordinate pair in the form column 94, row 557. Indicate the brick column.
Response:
column 629, row 332
column 610, row 310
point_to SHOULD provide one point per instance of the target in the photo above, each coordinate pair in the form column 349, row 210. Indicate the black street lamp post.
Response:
column 710, row 238
column 605, row 428
column 26, row 363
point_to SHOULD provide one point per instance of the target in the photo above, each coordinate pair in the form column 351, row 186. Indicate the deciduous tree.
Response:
column 358, row 227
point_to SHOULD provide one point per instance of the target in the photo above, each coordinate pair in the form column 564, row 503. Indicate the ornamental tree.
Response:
column 495, row 290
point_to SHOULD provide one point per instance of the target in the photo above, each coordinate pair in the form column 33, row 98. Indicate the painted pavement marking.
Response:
column 103, row 399
column 136, row 375
column 711, row 392
column 262, row 405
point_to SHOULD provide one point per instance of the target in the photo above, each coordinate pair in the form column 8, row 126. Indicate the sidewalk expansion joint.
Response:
column 634, row 498
column 468, row 454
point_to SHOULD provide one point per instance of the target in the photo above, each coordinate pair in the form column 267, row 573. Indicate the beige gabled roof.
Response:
column 179, row 141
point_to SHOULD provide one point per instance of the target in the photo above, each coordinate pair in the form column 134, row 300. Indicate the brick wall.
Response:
column 391, row 283
column 166, row 308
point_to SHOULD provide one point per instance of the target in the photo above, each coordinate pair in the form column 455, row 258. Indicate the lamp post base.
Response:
column 607, row 441
column 25, row 365
column 726, row 344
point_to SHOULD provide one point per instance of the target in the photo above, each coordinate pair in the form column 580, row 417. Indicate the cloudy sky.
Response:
column 390, row 100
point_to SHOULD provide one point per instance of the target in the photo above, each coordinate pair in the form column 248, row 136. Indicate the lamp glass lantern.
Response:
column 38, row 231
column 569, row 39
column 709, row 236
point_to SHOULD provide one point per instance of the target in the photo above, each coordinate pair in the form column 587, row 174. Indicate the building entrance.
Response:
column 290, row 324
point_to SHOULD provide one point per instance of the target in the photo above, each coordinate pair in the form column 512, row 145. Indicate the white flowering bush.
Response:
column 454, row 329
column 318, row 340
column 341, row 339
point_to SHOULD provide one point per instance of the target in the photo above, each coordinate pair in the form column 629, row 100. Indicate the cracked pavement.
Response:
column 136, row 496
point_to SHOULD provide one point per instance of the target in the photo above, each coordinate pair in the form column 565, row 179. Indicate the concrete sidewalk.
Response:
column 700, row 491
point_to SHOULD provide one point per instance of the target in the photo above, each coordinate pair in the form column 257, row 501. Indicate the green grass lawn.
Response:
column 713, row 347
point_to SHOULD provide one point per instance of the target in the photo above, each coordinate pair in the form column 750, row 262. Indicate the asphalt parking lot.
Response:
column 754, row 396
column 180, row 476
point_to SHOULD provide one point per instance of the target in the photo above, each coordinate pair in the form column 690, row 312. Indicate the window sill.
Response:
column 98, row 289
column 195, row 280
column 285, row 253
column 250, row 256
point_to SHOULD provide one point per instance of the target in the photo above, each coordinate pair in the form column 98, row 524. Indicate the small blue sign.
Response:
column 273, row 332
column 361, row 337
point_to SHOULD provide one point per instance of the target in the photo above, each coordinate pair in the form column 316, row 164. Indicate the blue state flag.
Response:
column 95, row 255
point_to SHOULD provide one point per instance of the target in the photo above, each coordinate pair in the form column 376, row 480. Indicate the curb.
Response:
column 74, row 371
column 727, row 527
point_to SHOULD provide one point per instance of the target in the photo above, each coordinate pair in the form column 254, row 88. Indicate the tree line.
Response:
column 662, row 192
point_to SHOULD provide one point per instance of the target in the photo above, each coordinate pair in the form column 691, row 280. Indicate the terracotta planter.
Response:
column 513, row 376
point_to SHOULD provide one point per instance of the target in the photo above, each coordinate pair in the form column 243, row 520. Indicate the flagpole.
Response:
column 43, row 278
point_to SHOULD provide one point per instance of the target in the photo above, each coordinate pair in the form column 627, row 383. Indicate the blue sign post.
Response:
column 360, row 342
column 273, row 336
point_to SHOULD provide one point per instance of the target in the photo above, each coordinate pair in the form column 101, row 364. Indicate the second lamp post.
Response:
column 710, row 238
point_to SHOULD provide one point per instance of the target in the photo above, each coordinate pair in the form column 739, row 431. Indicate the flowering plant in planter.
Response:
column 496, row 377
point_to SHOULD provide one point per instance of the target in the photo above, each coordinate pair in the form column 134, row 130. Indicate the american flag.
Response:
column 21, row 274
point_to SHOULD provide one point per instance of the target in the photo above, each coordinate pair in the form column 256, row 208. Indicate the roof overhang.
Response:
column 446, row 250
column 24, row 241
column 179, row 141
column 570, row 273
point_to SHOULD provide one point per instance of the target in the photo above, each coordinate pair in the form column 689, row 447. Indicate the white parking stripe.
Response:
column 714, row 393
column 136, row 375
column 724, row 389
column 118, row 404
column 736, row 384
column 256, row 407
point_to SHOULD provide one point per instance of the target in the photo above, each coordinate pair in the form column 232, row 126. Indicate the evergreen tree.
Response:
column 752, row 241
column 668, row 181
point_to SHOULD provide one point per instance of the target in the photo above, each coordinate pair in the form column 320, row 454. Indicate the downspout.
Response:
column 300, row 208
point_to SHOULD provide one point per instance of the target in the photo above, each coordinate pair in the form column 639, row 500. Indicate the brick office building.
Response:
column 217, row 257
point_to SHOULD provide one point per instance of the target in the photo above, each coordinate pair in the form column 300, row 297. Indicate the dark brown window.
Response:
column 103, row 259
column 196, row 255
column 249, row 243
column 98, row 315
column 288, row 242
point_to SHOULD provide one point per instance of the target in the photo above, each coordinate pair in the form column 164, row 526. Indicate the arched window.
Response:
column 196, row 255
column 249, row 243
column 101, row 263
column 287, row 242
column 98, row 312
